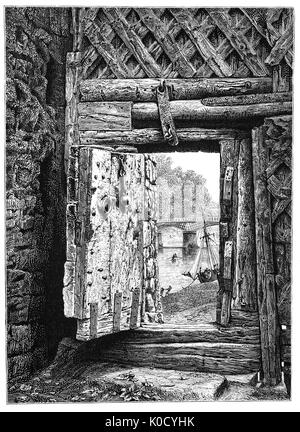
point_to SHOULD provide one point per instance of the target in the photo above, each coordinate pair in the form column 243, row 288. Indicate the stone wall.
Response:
column 37, row 40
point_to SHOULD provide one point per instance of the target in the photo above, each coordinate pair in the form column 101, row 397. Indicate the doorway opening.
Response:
column 188, row 235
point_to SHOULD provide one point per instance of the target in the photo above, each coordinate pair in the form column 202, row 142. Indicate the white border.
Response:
column 157, row 407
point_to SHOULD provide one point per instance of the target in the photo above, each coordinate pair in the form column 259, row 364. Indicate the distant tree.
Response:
column 177, row 175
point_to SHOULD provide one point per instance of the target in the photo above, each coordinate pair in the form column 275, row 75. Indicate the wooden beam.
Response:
column 144, row 90
column 245, row 319
column 265, row 268
column 248, row 99
column 171, row 333
column 226, row 358
column 195, row 110
column 145, row 137
column 104, row 116
column 244, row 289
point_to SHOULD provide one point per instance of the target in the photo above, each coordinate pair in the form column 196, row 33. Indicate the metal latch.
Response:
column 166, row 119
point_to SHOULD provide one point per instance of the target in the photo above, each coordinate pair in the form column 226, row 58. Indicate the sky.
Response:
column 206, row 164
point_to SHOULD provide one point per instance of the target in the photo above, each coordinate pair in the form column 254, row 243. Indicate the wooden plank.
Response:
column 146, row 137
column 143, row 90
column 82, row 222
column 127, row 184
column 244, row 319
column 187, row 334
column 244, row 292
column 239, row 42
column 117, row 311
column 104, row 325
column 104, row 116
column 94, row 320
column 135, row 307
column 207, row 51
column 167, row 41
column 265, row 268
column 97, row 240
column 248, row 99
column 226, row 307
column 205, row 357
column 165, row 116
column 194, row 110
column 208, row 349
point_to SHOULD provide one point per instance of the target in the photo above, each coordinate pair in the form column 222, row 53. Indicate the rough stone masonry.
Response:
column 37, row 40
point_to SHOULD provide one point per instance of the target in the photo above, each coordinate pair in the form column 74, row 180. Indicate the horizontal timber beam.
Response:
column 144, row 137
column 195, row 110
column 252, row 99
column 144, row 90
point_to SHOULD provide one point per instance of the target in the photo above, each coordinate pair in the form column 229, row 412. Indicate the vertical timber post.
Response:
column 229, row 153
column 244, row 289
column 282, row 82
column 267, row 303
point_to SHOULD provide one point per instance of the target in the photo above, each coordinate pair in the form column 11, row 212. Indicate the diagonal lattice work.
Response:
column 185, row 43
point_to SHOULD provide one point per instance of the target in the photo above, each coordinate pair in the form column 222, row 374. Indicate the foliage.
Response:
column 136, row 392
column 177, row 175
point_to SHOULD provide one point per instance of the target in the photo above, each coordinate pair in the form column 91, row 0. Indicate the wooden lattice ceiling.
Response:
column 185, row 43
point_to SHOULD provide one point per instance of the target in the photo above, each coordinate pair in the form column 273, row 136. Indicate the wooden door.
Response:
column 107, row 218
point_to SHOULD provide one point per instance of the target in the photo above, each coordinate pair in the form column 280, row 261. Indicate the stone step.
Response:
column 171, row 385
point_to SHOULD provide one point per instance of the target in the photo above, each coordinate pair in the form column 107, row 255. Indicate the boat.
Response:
column 205, row 267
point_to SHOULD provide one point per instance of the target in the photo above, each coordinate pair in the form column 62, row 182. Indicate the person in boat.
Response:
column 204, row 276
column 174, row 258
